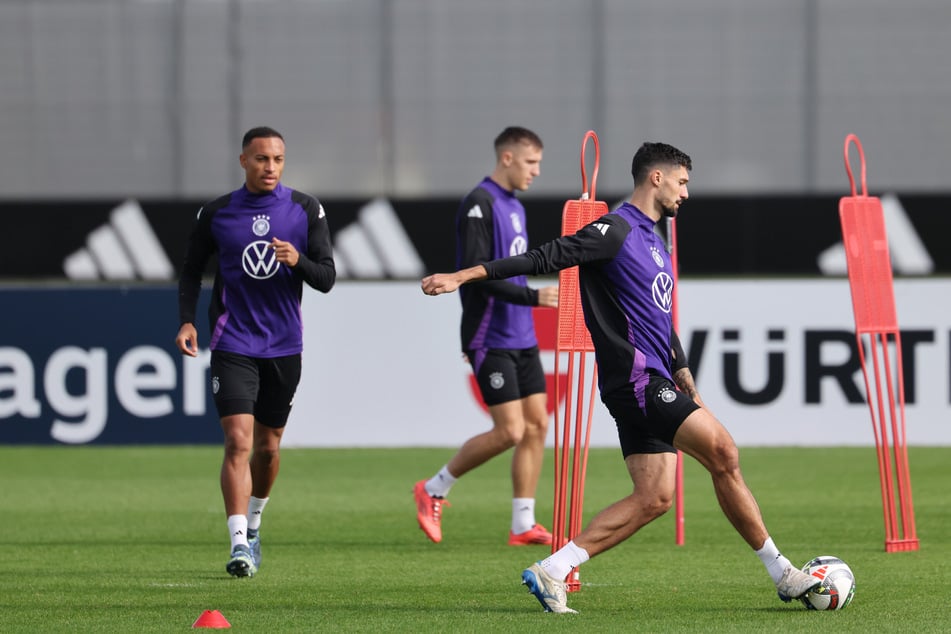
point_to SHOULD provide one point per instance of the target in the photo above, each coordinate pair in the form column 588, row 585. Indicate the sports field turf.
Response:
column 133, row 540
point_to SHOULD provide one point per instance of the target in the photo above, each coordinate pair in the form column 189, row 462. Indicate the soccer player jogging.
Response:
column 498, row 339
column 269, row 240
column 626, row 288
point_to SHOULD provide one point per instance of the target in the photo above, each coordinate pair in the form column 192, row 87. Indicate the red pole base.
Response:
column 573, row 582
column 900, row 545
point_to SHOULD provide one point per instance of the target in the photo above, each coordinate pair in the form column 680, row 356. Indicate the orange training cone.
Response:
column 213, row 619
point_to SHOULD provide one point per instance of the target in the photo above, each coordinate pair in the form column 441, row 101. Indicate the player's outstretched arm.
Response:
column 440, row 283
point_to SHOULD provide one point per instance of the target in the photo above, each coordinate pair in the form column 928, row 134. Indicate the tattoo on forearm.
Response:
column 684, row 380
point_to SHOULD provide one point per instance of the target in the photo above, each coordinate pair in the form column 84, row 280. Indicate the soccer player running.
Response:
column 269, row 240
column 626, row 291
column 498, row 339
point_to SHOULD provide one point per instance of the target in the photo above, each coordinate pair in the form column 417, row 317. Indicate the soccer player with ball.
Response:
column 626, row 285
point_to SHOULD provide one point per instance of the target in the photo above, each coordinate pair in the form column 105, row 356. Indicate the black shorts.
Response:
column 249, row 385
column 507, row 375
column 649, row 426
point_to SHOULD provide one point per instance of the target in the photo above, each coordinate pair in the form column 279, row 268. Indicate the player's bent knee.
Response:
column 506, row 436
column 539, row 424
column 512, row 436
column 662, row 504
column 728, row 456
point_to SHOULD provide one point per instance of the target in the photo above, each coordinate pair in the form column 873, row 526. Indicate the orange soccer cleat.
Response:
column 429, row 511
column 537, row 534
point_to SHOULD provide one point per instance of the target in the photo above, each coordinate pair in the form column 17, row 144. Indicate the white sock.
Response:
column 560, row 564
column 440, row 483
column 523, row 515
column 238, row 528
column 773, row 560
column 255, row 508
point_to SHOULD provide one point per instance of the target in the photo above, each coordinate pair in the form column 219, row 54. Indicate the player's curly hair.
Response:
column 651, row 155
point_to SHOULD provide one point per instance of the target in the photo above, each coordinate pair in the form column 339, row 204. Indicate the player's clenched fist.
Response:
column 439, row 283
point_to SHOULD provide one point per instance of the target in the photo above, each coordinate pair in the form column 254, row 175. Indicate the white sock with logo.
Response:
column 560, row 564
column 440, row 483
column 773, row 560
column 523, row 515
column 255, row 508
column 238, row 529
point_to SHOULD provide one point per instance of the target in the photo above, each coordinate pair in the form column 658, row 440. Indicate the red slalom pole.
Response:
column 573, row 429
column 679, row 535
column 877, row 332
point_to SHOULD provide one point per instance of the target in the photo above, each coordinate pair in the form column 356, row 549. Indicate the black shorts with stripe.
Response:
column 649, row 427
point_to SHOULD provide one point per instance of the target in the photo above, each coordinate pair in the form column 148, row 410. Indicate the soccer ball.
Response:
column 837, row 587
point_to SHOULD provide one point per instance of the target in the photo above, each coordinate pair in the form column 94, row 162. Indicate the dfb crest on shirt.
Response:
column 516, row 223
column 496, row 380
column 259, row 260
column 261, row 225
column 662, row 289
column 658, row 260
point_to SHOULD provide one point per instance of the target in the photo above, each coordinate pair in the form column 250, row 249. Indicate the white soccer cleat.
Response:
column 549, row 591
column 795, row 583
column 241, row 563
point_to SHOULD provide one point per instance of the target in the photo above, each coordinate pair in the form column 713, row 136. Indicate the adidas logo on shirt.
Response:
column 475, row 212
column 602, row 227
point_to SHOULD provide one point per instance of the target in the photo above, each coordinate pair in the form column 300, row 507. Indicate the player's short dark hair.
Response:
column 650, row 155
column 513, row 135
column 262, row 132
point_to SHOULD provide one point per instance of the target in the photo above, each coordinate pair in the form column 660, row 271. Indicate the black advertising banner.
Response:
column 83, row 365
column 144, row 240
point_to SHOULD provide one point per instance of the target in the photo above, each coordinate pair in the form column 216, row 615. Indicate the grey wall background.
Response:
column 149, row 98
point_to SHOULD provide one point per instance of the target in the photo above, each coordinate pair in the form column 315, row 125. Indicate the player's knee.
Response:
column 726, row 459
column 266, row 453
column 657, row 505
column 665, row 500
column 237, row 448
column 511, row 435
column 536, row 427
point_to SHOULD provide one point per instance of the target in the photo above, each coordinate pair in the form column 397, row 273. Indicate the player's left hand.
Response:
column 548, row 297
column 285, row 252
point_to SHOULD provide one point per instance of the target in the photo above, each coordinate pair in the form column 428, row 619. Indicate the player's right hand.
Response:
column 187, row 340
column 439, row 283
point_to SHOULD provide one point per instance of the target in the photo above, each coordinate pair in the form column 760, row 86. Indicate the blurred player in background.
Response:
column 498, row 339
column 269, row 240
column 626, row 290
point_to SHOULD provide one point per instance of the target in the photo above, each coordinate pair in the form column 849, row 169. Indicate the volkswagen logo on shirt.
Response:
column 259, row 260
column 663, row 291
column 519, row 246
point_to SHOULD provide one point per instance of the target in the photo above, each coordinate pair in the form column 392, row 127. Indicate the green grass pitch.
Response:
column 130, row 539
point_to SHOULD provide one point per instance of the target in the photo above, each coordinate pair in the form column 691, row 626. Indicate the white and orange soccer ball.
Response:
column 837, row 587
